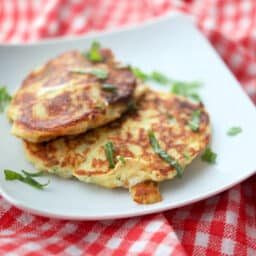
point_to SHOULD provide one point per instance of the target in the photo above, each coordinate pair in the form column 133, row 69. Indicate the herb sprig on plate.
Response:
column 233, row 131
column 5, row 98
column 209, row 156
column 27, row 178
column 186, row 89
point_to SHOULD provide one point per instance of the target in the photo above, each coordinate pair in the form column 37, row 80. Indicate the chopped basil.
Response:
column 209, row 156
column 122, row 160
column 94, row 54
column 140, row 74
column 162, row 154
column 155, row 76
column 5, row 98
column 98, row 72
column 109, row 151
column 195, row 97
column 187, row 155
column 33, row 174
column 11, row 175
column 186, row 89
column 234, row 131
column 194, row 122
column 108, row 87
column 159, row 78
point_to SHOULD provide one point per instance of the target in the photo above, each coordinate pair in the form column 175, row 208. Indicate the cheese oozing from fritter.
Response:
column 70, row 95
column 137, row 166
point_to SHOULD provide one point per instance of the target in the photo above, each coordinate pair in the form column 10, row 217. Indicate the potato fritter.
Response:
column 69, row 95
column 137, row 165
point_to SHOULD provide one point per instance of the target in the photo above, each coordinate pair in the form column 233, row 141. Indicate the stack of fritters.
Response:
column 95, row 121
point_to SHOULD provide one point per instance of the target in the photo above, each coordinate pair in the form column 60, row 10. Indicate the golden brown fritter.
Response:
column 55, row 100
column 146, row 192
column 136, row 163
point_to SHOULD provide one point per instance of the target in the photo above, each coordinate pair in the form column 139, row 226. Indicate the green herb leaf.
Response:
column 159, row 78
column 98, row 72
column 108, row 87
column 11, row 175
column 162, row 154
column 187, row 155
column 5, row 98
column 94, row 54
column 121, row 159
column 194, row 122
column 33, row 174
column 234, row 131
column 109, row 151
column 155, row 76
column 186, row 89
column 140, row 74
column 30, row 181
column 209, row 156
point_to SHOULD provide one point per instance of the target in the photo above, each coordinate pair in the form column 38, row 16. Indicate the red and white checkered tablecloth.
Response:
column 222, row 225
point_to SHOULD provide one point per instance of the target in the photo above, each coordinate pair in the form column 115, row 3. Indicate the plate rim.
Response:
column 109, row 216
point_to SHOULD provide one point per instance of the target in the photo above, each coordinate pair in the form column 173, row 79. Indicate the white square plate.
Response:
column 173, row 46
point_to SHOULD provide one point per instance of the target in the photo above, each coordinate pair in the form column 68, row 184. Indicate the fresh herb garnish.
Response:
column 209, row 156
column 159, row 78
column 187, row 155
column 162, row 154
column 139, row 73
column 155, row 76
column 33, row 174
column 108, row 87
column 109, row 151
column 234, row 131
column 27, row 178
column 186, row 89
column 98, row 72
column 194, row 122
column 121, row 159
column 94, row 54
column 5, row 98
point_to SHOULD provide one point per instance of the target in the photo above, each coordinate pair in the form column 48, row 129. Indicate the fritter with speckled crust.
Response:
column 57, row 99
column 138, row 166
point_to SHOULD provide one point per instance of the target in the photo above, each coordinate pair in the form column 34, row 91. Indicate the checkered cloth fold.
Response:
column 222, row 225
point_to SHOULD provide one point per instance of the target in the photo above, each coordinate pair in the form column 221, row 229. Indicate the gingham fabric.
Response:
column 222, row 225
